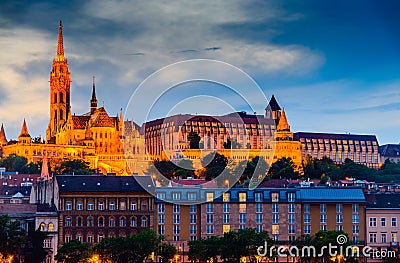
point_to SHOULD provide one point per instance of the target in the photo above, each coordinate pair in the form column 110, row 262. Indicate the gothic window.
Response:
column 61, row 114
column 55, row 97
column 61, row 98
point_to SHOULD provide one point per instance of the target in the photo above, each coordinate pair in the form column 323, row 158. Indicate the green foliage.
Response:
column 214, row 164
column 169, row 170
column 194, row 140
column 230, row 247
column 11, row 235
column 73, row 252
column 37, row 238
column 74, row 166
column 166, row 252
column 283, row 168
column 16, row 163
column 233, row 144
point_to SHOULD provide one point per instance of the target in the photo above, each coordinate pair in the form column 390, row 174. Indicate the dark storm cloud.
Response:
column 212, row 48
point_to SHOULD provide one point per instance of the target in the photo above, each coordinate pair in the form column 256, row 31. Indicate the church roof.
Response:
column 273, row 104
column 80, row 121
column 24, row 130
column 100, row 118
column 283, row 123
column 3, row 138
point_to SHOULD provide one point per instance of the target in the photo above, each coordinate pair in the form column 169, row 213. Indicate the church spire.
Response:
column 60, row 46
column 283, row 123
column 3, row 139
column 93, row 101
column 24, row 130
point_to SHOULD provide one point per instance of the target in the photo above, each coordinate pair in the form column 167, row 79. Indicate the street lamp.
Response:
column 176, row 258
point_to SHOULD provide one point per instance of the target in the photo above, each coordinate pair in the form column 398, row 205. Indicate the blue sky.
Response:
column 333, row 65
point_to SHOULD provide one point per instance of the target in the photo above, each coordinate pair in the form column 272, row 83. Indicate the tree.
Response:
column 184, row 169
column 11, row 235
column 74, row 166
column 194, row 140
column 36, row 239
column 214, row 164
column 283, row 168
column 166, row 252
column 73, row 252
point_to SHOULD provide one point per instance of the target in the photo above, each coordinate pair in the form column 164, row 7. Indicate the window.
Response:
column 101, row 222
column 90, row 206
column 291, row 208
column 67, row 238
column 394, row 221
column 177, row 208
column 79, row 237
column 226, row 218
column 275, row 218
column 259, row 218
column 133, row 206
column 68, row 221
column 307, row 229
column 112, row 222
column 192, row 196
column 133, row 222
column 122, row 222
column 177, row 229
column 193, row 219
column 144, row 222
column 161, row 218
column 258, row 228
column 210, row 219
column 226, row 208
column 292, row 230
column 122, row 205
column 355, row 219
column 322, row 208
column 101, row 206
column 339, row 219
column 90, row 221
column 383, row 238
column 209, row 197
column 161, row 196
column 323, row 227
column 258, row 197
column 394, row 237
column 258, row 208
column 339, row 208
column 226, row 197
column 339, row 227
column 210, row 229
column 372, row 221
column 291, row 197
column 68, row 206
column 275, row 197
column 372, row 237
column 242, row 197
column 161, row 208
column 275, row 208
column 242, row 218
column 79, row 206
column 323, row 219
column 307, row 218
column 112, row 205
column 383, row 221
column 356, row 229
column 193, row 229
column 193, row 208
column 291, row 218
column 210, row 208
column 50, row 227
column 176, row 196
column 306, row 208
column 275, row 229
column 242, row 208
column 226, row 228
column 177, row 219
column 355, row 208
column 90, row 239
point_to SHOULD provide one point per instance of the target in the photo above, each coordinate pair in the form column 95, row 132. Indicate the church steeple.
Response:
column 93, row 101
column 60, row 45
column 60, row 86
column 273, row 110
column 3, row 139
column 24, row 136
column 283, row 123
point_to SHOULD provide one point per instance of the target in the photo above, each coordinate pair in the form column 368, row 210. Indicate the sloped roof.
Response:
column 378, row 200
column 390, row 150
column 100, row 118
column 331, row 194
column 101, row 183
column 80, row 121
column 334, row 136
column 273, row 104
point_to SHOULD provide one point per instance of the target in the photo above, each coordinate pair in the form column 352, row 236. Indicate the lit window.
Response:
column 394, row 237
column 242, row 197
column 225, row 197
column 209, row 197
column 275, row 197
column 275, row 229
column 242, row 208
column 51, row 227
column 227, row 228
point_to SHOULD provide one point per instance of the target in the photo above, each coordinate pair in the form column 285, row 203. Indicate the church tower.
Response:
column 273, row 110
column 59, row 91
column 93, row 101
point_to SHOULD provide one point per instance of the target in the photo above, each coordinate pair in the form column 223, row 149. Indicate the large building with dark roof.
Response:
column 361, row 149
column 390, row 152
